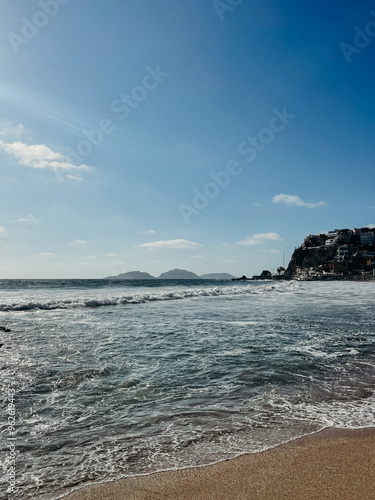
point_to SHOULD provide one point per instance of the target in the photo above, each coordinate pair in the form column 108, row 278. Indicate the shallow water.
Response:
column 124, row 378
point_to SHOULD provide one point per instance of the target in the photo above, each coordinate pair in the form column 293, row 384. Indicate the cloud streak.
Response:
column 78, row 242
column 291, row 199
column 258, row 239
column 41, row 157
column 29, row 218
column 12, row 131
column 174, row 244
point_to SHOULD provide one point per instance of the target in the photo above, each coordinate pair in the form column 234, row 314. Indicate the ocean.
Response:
column 112, row 379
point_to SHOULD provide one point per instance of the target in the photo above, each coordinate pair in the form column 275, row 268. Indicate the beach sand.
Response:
column 331, row 465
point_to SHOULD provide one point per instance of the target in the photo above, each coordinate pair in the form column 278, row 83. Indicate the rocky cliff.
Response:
column 344, row 252
column 310, row 257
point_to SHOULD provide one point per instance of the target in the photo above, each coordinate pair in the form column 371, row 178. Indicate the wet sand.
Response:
column 331, row 465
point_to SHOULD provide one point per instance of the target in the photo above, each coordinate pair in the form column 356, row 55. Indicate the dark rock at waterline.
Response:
column 4, row 329
column 266, row 275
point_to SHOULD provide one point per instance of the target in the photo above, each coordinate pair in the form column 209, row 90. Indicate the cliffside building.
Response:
column 338, row 253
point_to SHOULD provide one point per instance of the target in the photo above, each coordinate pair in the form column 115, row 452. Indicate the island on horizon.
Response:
column 337, row 254
column 173, row 274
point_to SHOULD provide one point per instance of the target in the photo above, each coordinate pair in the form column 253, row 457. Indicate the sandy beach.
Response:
column 333, row 465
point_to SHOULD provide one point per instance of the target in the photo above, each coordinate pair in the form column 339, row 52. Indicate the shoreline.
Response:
column 330, row 464
column 361, row 279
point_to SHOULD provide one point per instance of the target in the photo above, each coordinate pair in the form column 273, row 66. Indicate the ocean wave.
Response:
column 140, row 298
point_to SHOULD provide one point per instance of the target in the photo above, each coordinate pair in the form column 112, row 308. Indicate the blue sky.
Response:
column 205, row 135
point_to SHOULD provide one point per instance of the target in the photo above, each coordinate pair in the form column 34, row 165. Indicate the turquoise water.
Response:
column 113, row 379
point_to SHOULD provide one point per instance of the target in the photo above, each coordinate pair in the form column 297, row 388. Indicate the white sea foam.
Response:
column 103, row 299
column 211, row 372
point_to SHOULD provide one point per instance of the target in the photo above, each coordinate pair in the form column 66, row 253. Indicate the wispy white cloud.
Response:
column 175, row 244
column 257, row 204
column 150, row 231
column 371, row 226
column 12, row 132
column 258, row 239
column 39, row 156
column 291, row 199
column 78, row 242
column 2, row 232
column 46, row 254
column 75, row 178
column 29, row 218
column 111, row 255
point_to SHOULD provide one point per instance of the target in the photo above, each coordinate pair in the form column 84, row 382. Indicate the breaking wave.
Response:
column 140, row 298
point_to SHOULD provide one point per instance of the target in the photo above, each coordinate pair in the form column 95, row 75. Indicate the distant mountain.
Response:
column 174, row 274
column 132, row 275
column 178, row 274
column 217, row 276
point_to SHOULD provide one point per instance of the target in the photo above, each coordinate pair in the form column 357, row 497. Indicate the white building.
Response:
column 331, row 238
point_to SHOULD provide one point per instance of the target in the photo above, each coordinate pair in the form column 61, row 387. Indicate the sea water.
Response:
column 114, row 379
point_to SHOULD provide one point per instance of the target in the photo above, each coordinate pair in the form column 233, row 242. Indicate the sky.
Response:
column 211, row 136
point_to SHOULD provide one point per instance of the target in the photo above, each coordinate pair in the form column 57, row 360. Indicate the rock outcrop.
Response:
column 310, row 257
column 216, row 276
column 342, row 252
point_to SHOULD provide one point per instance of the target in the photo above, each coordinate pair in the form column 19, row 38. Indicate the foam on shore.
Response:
column 332, row 464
